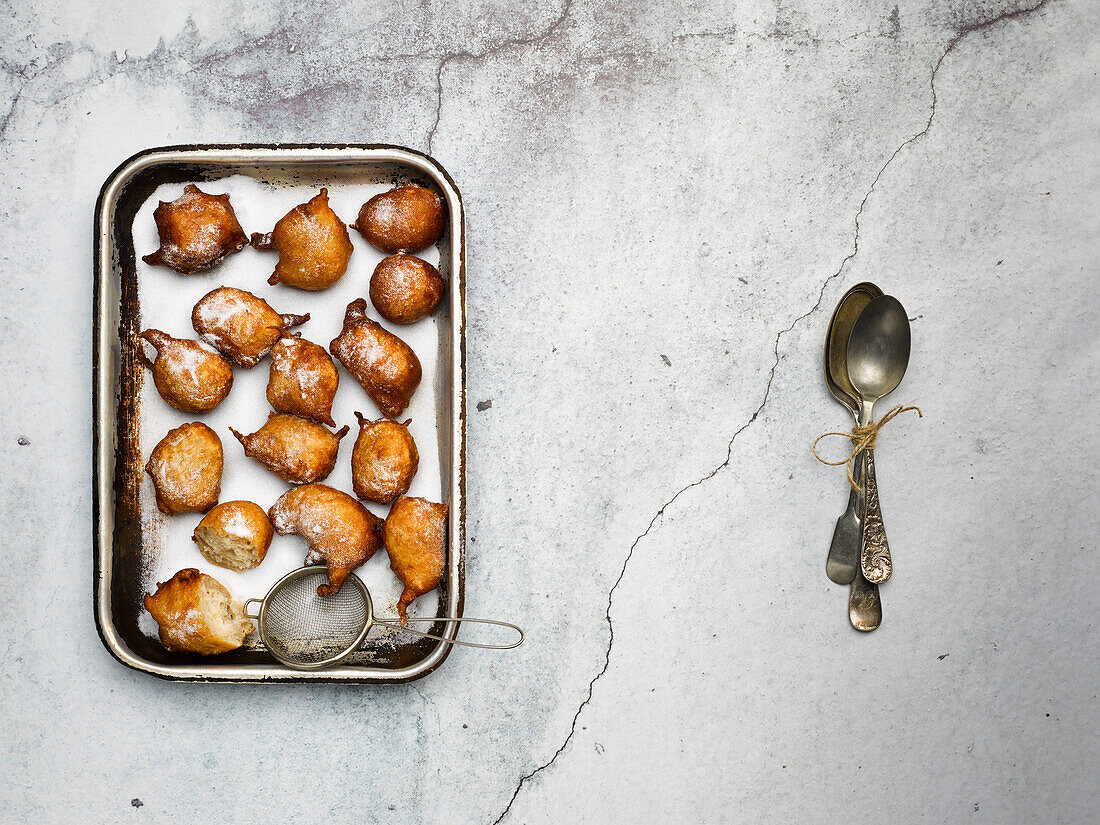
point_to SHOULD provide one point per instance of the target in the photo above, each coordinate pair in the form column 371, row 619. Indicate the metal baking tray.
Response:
column 122, row 542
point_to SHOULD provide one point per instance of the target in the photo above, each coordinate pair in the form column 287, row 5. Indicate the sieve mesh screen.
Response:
column 301, row 626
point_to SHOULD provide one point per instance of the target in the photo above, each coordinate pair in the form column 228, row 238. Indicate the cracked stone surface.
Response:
column 664, row 203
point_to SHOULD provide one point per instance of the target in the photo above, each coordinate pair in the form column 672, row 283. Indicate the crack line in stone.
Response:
column 499, row 47
column 11, row 112
column 959, row 35
column 25, row 75
column 649, row 528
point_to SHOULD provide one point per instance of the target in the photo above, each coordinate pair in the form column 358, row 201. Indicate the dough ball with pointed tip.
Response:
column 187, row 375
column 406, row 219
column 235, row 535
column 296, row 450
column 312, row 243
column 383, row 364
column 415, row 535
column 303, row 379
column 186, row 468
column 242, row 326
column 341, row 532
column 384, row 460
column 405, row 288
column 196, row 231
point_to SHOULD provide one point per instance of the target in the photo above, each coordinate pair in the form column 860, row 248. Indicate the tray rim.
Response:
column 103, row 392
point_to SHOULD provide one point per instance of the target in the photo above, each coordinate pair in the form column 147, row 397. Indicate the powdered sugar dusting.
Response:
column 182, row 478
column 190, row 622
column 188, row 360
column 308, row 375
column 237, row 524
column 215, row 311
column 167, row 299
column 384, row 210
column 205, row 242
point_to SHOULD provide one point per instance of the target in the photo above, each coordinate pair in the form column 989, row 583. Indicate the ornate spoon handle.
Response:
column 864, row 604
column 874, row 552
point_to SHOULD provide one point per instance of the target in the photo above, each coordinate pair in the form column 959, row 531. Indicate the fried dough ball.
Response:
column 235, row 534
column 415, row 534
column 296, row 450
column 196, row 614
column 406, row 219
column 303, row 379
column 405, row 288
column 188, row 376
column 382, row 363
column 384, row 460
column 340, row 531
column 196, row 231
column 312, row 243
column 240, row 325
column 186, row 468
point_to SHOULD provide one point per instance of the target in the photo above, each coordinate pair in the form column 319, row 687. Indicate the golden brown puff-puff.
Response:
column 384, row 460
column 303, row 379
column 235, row 534
column 382, row 363
column 196, row 231
column 312, row 243
column 415, row 534
column 406, row 219
column 340, row 531
column 186, row 468
column 196, row 614
column 188, row 376
column 242, row 326
column 296, row 450
column 405, row 288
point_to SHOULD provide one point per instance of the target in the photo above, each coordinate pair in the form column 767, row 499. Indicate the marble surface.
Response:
column 665, row 201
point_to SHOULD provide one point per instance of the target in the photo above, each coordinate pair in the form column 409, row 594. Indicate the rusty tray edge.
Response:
column 103, row 393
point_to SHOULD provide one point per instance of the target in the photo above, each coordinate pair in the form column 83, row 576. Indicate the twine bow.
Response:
column 863, row 438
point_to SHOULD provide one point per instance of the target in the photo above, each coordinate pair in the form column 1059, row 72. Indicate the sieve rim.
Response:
column 290, row 578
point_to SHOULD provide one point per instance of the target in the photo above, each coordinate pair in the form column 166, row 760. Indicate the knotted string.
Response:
column 863, row 438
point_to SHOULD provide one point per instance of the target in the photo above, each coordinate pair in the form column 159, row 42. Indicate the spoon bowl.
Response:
column 878, row 351
column 851, row 304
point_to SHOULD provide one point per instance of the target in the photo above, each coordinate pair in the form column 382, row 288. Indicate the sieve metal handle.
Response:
column 253, row 616
column 393, row 624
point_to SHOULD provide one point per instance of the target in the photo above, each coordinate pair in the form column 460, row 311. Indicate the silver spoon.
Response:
column 842, row 566
column 878, row 355
column 843, row 559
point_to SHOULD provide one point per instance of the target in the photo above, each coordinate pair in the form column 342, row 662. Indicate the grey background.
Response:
column 665, row 202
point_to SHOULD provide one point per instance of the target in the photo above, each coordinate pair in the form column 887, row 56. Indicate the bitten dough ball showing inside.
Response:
column 196, row 614
column 406, row 219
column 405, row 288
column 235, row 535
column 186, row 468
column 196, row 231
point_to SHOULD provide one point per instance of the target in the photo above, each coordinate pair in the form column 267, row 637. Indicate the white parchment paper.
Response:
column 166, row 299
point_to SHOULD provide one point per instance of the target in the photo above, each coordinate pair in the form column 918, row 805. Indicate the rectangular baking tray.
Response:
column 118, row 457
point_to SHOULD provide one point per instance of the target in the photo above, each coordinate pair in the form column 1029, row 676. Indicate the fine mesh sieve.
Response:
column 310, row 632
